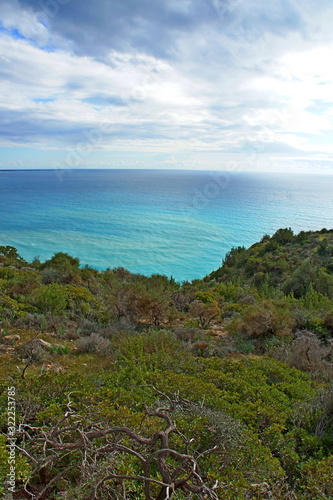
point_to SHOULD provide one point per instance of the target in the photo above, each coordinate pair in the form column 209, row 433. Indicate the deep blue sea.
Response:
column 177, row 223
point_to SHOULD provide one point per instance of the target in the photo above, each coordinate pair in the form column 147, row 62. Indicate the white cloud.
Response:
column 220, row 76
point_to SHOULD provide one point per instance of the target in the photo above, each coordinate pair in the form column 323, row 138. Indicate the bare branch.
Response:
column 63, row 440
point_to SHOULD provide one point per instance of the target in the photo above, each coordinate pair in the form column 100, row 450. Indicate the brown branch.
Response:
column 91, row 435
column 29, row 362
column 22, row 450
column 59, row 443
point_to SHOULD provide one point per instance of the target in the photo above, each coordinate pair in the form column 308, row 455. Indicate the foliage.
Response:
column 51, row 298
column 22, row 467
column 247, row 352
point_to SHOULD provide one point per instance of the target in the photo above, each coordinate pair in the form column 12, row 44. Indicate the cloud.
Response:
column 226, row 76
column 94, row 28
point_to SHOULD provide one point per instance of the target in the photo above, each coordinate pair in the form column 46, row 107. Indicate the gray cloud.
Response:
column 96, row 27
column 93, row 28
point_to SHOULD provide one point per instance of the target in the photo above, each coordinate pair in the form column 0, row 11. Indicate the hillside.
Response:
column 133, row 387
column 290, row 262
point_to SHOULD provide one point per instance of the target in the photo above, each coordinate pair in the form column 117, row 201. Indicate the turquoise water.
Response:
column 178, row 223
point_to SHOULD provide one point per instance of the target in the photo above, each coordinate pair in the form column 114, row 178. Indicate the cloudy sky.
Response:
column 210, row 84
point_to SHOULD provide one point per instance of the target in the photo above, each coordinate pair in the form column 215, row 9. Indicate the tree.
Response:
column 153, row 462
column 61, row 260
column 283, row 236
column 205, row 313
column 10, row 252
column 61, row 268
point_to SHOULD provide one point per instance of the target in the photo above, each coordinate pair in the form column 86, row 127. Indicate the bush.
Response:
column 32, row 321
column 52, row 298
column 319, row 479
column 59, row 349
column 51, row 275
column 328, row 322
column 61, row 268
column 95, row 343
column 308, row 353
column 187, row 334
column 62, row 260
column 34, row 351
column 87, row 327
column 283, row 236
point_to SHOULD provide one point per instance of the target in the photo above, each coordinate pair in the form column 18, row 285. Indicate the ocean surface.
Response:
column 177, row 223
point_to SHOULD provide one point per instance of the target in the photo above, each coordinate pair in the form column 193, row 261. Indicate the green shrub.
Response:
column 318, row 477
column 22, row 467
column 59, row 349
column 52, row 298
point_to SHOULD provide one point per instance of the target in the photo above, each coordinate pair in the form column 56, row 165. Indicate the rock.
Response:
column 5, row 349
column 10, row 339
column 35, row 343
column 42, row 343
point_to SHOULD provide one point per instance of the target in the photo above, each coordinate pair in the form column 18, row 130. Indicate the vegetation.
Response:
column 134, row 387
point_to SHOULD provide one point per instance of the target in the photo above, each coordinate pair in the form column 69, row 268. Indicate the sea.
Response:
column 178, row 223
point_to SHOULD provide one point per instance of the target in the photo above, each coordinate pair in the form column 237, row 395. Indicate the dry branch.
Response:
column 177, row 469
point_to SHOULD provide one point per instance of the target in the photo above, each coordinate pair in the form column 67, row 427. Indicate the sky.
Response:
column 173, row 84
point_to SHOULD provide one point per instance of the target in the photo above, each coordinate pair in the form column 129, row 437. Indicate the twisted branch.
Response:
column 58, row 443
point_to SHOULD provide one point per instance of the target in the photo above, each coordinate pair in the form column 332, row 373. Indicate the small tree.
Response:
column 283, row 236
column 205, row 313
column 10, row 252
